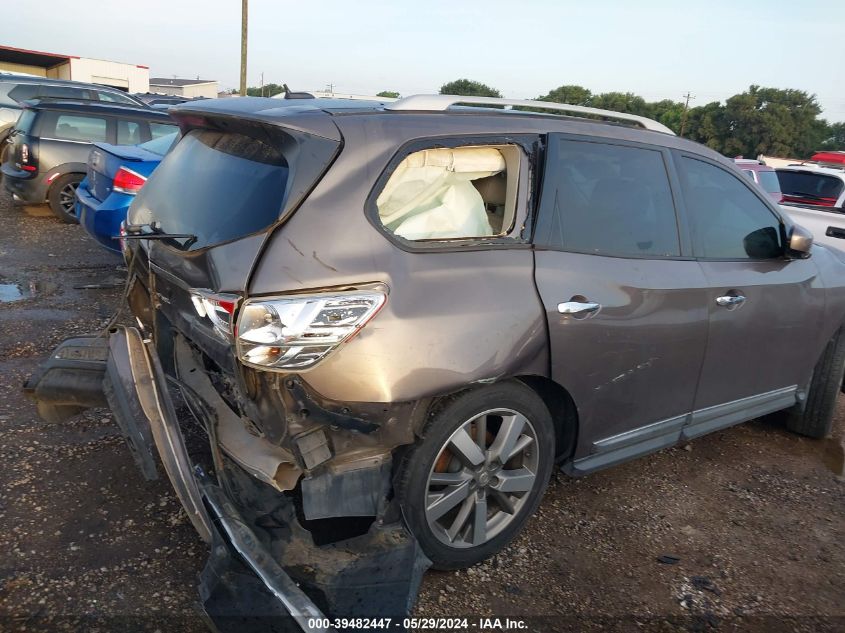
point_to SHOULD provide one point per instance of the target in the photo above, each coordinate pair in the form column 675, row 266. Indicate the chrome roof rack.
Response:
column 440, row 103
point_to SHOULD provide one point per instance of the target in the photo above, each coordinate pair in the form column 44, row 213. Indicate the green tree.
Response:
column 706, row 124
column 389, row 94
column 669, row 113
column 570, row 94
column 772, row 121
column 268, row 90
column 621, row 102
column 834, row 138
column 468, row 88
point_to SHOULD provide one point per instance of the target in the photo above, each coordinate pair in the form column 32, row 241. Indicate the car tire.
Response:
column 814, row 416
column 504, row 494
column 62, row 193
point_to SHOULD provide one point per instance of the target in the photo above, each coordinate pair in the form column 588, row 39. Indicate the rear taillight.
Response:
column 127, row 181
column 217, row 308
column 25, row 158
column 123, row 233
column 298, row 331
column 819, row 201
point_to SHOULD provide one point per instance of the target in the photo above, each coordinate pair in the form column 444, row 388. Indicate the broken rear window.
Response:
column 452, row 193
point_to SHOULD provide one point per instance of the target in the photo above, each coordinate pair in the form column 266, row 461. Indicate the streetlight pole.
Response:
column 244, row 19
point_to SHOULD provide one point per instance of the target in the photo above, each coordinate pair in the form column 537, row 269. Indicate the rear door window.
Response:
column 728, row 220
column 75, row 127
column 216, row 186
column 128, row 132
column 607, row 199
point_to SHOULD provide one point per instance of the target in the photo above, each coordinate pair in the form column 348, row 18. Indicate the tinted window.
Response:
column 216, row 186
column 804, row 186
column 76, row 127
column 22, row 92
column 128, row 132
column 113, row 97
column 63, row 92
column 769, row 181
column 728, row 220
column 610, row 200
column 162, row 129
column 749, row 174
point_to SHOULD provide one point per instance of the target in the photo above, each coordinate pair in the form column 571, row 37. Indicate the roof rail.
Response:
column 439, row 103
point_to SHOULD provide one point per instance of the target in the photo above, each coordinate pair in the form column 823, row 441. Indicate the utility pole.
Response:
column 688, row 96
column 244, row 19
column 262, row 84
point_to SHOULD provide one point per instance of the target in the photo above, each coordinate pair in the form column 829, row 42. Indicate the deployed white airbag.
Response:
column 431, row 195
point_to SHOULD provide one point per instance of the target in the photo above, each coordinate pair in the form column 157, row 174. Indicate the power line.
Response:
column 687, row 96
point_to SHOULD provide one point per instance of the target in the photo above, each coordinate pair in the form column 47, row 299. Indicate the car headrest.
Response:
column 493, row 189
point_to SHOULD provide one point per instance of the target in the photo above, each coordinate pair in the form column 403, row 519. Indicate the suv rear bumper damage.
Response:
column 264, row 564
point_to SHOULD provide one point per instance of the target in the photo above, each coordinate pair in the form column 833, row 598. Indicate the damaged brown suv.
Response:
column 390, row 322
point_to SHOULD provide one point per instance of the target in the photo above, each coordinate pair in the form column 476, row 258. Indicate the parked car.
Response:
column 813, row 184
column 115, row 174
column 49, row 146
column 15, row 89
column 763, row 175
column 393, row 321
column 827, row 225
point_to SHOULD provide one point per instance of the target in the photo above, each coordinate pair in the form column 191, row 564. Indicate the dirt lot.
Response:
column 755, row 515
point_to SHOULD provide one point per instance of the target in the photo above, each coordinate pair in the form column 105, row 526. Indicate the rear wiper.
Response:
column 805, row 195
column 137, row 232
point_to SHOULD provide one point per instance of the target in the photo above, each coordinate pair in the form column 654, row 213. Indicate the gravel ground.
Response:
column 753, row 518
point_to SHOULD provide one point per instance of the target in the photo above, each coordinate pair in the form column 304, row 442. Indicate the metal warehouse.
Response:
column 129, row 77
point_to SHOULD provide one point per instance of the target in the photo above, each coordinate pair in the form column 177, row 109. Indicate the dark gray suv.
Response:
column 47, row 151
column 392, row 321
column 16, row 89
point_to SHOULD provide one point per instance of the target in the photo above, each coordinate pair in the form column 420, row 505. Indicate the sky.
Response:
column 658, row 49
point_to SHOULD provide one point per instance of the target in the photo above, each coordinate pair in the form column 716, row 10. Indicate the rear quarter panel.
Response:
column 451, row 319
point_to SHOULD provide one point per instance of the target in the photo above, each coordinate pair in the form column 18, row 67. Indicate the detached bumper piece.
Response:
column 264, row 573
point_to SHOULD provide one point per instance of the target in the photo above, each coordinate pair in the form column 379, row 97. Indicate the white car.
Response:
column 813, row 184
column 827, row 227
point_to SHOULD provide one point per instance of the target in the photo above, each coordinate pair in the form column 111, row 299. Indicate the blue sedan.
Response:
column 115, row 175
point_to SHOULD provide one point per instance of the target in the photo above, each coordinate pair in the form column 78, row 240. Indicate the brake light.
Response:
column 123, row 233
column 298, row 331
column 819, row 202
column 127, row 181
column 24, row 164
column 217, row 308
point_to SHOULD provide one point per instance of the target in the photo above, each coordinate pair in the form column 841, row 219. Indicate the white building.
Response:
column 188, row 88
column 128, row 77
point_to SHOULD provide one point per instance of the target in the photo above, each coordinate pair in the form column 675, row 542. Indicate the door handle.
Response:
column 578, row 307
column 834, row 231
column 729, row 301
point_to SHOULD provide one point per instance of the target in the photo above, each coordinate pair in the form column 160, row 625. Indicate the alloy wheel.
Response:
column 67, row 198
column 481, row 478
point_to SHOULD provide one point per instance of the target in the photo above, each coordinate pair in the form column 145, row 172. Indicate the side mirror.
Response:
column 799, row 243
